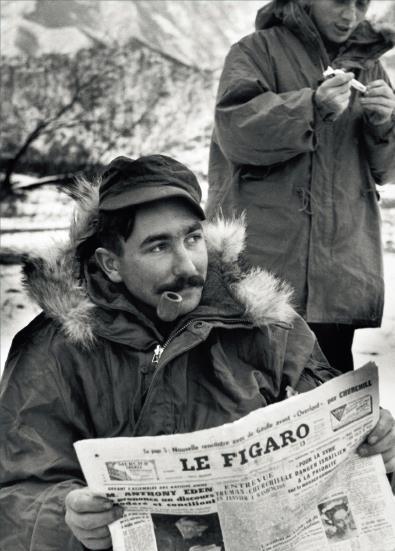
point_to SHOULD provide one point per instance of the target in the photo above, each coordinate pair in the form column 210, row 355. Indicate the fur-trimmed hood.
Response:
column 53, row 280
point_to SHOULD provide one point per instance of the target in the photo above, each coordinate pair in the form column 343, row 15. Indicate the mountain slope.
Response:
column 196, row 32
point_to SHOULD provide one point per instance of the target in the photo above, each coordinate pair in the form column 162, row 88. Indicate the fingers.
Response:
column 384, row 426
column 378, row 94
column 379, row 98
column 88, row 516
column 382, row 111
column 339, row 94
column 389, row 461
column 340, row 79
column 335, row 86
column 381, row 440
column 92, row 521
column 383, row 445
column 94, row 539
column 378, row 102
column 379, row 87
column 334, row 93
column 94, row 544
column 94, row 534
column 83, row 500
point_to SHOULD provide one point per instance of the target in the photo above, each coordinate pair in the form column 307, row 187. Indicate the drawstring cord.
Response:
column 307, row 198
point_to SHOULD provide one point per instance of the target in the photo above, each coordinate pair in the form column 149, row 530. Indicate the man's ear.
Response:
column 109, row 263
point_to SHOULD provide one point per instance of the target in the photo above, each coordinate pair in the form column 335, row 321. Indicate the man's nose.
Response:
column 349, row 13
column 183, row 264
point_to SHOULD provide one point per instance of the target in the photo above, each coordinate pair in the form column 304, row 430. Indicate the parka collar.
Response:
column 94, row 306
column 364, row 47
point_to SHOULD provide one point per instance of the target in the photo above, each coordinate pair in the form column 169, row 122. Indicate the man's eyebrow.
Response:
column 194, row 227
column 166, row 236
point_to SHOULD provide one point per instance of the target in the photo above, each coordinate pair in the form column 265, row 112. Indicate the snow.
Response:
column 379, row 7
column 387, row 193
column 378, row 345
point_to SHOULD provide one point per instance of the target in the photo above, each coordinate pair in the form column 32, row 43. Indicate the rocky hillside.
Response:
column 197, row 32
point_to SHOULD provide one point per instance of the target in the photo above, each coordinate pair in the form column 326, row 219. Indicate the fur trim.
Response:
column 53, row 281
column 226, row 237
column 53, row 285
column 85, row 216
column 267, row 299
column 385, row 27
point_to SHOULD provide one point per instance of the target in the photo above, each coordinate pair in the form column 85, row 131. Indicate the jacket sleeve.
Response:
column 380, row 141
column 254, row 124
column 38, row 466
column 305, row 366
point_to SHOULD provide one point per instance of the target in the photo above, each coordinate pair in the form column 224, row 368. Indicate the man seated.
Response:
column 105, row 359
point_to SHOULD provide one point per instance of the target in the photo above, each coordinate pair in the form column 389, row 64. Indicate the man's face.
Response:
column 166, row 251
column 337, row 19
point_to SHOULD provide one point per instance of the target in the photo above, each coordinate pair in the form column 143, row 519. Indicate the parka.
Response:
column 307, row 184
column 87, row 367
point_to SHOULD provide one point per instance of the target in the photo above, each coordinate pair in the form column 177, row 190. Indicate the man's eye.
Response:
column 361, row 5
column 194, row 238
column 160, row 247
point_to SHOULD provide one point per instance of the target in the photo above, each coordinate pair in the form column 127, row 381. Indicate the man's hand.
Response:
column 378, row 102
column 381, row 440
column 88, row 516
column 333, row 95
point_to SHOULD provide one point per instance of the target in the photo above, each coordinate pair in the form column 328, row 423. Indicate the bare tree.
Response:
column 48, row 126
column 74, row 112
column 69, row 105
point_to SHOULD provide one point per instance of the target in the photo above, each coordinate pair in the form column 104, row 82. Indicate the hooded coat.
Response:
column 84, row 369
column 306, row 184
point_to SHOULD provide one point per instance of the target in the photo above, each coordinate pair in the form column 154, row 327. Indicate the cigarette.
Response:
column 358, row 86
column 169, row 306
column 354, row 83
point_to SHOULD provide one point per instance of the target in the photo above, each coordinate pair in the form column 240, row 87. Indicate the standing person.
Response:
column 302, row 156
column 107, row 358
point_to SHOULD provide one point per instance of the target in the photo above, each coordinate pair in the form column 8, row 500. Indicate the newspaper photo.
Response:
column 283, row 478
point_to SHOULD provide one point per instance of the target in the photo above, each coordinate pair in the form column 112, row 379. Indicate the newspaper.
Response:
column 284, row 478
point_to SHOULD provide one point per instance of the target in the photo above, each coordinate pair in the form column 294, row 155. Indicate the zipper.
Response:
column 155, row 361
column 157, row 354
column 160, row 349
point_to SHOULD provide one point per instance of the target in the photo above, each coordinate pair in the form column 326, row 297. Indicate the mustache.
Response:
column 182, row 283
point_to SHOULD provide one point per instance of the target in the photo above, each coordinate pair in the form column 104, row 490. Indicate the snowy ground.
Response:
column 378, row 345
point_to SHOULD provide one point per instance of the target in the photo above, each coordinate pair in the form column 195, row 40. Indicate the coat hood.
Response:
column 364, row 47
column 53, row 280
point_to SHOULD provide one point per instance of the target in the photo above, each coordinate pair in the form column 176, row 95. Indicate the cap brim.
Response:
column 143, row 195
